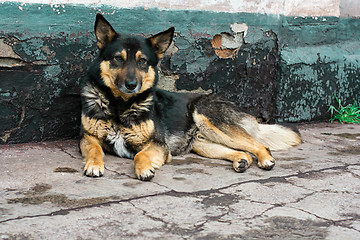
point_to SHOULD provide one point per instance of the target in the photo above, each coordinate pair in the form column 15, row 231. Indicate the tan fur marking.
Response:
column 123, row 54
column 138, row 55
column 234, row 138
column 148, row 79
column 96, row 127
column 109, row 76
column 139, row 134
column 93, row 155
column 210, row 131
column 207, row 148
column 218, row 151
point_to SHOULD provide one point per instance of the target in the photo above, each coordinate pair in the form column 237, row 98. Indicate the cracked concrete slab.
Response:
column 312, row 193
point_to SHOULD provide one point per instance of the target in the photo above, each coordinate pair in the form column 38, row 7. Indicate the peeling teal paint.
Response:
column 43, row 19
column 194, row 60
column 6, row 94
column 51, row 73
column 312, row 75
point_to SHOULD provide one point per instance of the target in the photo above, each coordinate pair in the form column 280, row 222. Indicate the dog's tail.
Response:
column 276, row 137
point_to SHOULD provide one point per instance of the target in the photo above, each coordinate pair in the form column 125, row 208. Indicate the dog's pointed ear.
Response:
column 161, row 41
column 104, row 31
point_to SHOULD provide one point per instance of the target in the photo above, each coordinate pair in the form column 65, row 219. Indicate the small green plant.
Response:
column 345, row 114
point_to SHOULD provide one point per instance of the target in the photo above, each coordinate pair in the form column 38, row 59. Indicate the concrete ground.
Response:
column 312, row 193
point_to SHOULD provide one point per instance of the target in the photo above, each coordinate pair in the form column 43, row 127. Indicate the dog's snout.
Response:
column 131, row 85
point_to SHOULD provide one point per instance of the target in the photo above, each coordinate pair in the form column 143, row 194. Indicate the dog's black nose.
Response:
column 131, row 85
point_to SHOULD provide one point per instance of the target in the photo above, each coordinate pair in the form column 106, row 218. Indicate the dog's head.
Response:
column 128, row 63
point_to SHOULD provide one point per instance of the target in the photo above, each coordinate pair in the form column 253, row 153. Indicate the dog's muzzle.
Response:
column 130, row 87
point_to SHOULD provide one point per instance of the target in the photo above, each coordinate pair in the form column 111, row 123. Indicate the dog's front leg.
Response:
column 151, row 157
column 93, row 155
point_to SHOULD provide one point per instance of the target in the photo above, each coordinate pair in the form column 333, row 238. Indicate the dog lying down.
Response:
column 125, row 114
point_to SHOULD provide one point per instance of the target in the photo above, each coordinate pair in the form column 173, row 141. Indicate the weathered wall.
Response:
column 277, row 67
column 281, row 7
column 319, row 57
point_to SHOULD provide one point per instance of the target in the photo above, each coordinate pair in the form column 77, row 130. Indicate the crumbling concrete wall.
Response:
column 276, row 67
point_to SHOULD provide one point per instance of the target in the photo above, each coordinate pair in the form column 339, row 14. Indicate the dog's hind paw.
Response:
column 267, row 164
column 241, row 165
column 93, row 170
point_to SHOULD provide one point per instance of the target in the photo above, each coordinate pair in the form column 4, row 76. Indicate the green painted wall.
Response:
column 287, row 69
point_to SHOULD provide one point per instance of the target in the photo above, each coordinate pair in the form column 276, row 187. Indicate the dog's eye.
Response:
column 120, row 59
column 142, row 61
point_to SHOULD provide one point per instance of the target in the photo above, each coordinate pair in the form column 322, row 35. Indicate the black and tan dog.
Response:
column 124, row 113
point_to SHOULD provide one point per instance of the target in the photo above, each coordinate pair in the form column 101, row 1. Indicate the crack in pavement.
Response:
column 172, row 227
column 65, row 151
column 261, row 214
column 330, row 221
column 118, row 173
column 182, row 194
column 68, row 210
column 145, row 213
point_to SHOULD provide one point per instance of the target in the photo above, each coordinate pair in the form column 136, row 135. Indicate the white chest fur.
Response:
column 119, row 145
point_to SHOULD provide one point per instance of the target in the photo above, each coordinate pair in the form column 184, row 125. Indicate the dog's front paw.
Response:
column 145, row 174
column 147, row 160
column 267, row 164
column 93, row 169
column 144, row 170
